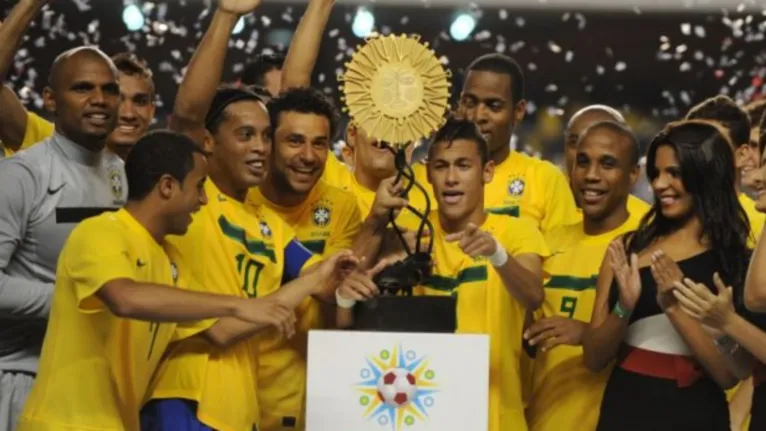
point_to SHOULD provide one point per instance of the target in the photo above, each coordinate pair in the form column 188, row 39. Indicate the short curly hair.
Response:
column 304, row 101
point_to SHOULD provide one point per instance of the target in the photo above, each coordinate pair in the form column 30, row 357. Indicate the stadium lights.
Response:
column 133, row 17
column 364, row 22
column 462, row 26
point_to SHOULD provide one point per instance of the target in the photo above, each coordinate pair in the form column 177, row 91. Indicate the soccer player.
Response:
column 298, row 66
column 580, row 121
column 491, row 262
column 605, row 167
column 46, row 191
column 116, row 297
column 736, row 121
column 21, row 129
column 233, row 250
column 325, row 219
column 493, row 97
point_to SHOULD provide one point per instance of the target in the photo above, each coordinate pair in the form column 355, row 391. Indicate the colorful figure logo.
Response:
column 397, row 388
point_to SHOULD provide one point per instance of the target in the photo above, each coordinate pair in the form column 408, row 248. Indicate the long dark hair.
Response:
column 706, row 159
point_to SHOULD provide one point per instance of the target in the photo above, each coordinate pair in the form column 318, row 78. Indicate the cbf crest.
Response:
column 516, row 186
column 265, row 229
column 115, row 182
column 321, row 215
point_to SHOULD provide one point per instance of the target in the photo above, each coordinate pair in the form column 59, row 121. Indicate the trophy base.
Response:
column 434, row 314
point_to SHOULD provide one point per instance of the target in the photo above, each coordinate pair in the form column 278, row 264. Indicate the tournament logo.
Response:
column 516, row 187
column 397, row 388
column 265, row 229
column 115, row 181
column 321, row 215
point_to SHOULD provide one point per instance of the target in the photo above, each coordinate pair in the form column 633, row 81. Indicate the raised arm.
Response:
column 304, row 48
column 13, row 122
column 205, row 69
column 12, row 31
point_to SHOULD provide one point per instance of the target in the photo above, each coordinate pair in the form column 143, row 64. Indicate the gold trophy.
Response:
column 397, row 91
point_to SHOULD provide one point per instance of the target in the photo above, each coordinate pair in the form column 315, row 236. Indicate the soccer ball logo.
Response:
column 397, row 387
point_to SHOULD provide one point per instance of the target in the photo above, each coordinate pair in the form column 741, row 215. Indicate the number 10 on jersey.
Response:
column 249, row 272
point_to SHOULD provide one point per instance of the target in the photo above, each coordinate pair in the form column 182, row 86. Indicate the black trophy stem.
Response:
column 404, row 170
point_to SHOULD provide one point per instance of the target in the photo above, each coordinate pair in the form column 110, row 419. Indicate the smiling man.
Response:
column 604, row 169
column 325, row 220
column 493, row 98
column 581, row 121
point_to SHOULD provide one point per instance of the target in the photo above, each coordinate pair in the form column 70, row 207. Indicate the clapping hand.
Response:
column 625, row 274
column 666, row 274
column 715, row 310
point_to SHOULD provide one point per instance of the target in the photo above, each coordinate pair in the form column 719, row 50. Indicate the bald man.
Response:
column 46, row 191
column 581, row 121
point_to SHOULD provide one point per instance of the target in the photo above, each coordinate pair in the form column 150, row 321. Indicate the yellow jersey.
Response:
column 564, row 392
column 523, row 186
column 484, row 306
column 95, row 367
column 231, row 250
column 37, row 130
column 336, row 173
column 326, row 222
column 757, row 219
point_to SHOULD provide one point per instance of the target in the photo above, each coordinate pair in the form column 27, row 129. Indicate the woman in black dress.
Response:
column 669, row 374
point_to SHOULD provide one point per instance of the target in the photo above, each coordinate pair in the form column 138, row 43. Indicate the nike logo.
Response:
column 140, row 263
column 53, row 191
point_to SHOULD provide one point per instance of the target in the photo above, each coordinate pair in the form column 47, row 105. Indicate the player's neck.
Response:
column 369, row 182
column 501, row 154
column 226, row 186
column 90, row 143
column 145, row 213
column 610, row 222
column 477, row 217
column 277, row 190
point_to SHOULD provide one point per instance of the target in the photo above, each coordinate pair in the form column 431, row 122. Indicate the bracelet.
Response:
column 343, row 302
column 499, row 257
column 620, row 311
column 726, row 345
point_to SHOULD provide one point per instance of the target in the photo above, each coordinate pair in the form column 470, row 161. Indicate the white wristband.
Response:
column 500, row 256
column 343, row 302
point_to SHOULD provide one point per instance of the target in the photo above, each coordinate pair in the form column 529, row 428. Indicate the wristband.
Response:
column 621, row 311
column 726, row 345
column 499, row 257
column 343, row 302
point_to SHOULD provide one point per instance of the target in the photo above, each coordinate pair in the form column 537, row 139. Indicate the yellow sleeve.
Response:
column 348, row 227
column 94, row 256
column 37, row 130
column 560, row 208
column 523, row 237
